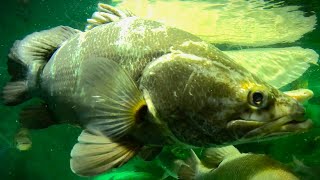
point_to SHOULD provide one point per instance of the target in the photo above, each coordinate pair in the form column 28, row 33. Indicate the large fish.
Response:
column 135, row 83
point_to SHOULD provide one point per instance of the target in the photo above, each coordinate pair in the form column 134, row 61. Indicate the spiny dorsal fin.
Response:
column 214, row 156
column 95, row 154
column 112, row 102
column 106, row 14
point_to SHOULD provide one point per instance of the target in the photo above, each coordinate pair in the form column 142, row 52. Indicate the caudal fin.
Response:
column 27, row 59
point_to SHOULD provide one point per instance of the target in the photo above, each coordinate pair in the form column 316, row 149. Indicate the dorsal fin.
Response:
column 106, row 14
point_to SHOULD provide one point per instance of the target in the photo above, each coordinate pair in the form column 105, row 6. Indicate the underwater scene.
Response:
column 160, row 89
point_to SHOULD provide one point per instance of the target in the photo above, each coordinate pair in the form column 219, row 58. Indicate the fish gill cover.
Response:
column 49, row 157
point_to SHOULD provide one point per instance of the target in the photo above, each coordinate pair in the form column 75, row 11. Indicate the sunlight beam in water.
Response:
column 234, row 22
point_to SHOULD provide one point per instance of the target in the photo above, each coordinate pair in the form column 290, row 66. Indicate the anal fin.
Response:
column 95, row 154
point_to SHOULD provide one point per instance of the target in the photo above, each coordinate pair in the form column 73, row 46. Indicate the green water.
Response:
column 49, row 156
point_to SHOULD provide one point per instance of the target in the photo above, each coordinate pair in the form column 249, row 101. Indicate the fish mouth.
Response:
column 249, row 129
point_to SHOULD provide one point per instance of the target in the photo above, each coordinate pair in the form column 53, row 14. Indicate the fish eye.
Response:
column 257, row 99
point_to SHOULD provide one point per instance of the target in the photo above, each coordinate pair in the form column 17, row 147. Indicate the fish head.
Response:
column 205, row 102
column 268, row 113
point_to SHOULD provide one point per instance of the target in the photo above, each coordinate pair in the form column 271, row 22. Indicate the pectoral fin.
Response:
column 112, row 103
column 95, row 154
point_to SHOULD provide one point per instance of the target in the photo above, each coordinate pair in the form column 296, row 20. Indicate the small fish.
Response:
column 131, row 83
column 22, row 139
column 228, row 163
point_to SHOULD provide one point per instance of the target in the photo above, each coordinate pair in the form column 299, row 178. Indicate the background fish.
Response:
column 228, row 163
column 137, row 82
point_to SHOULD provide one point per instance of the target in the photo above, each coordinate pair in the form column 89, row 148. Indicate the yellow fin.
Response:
column 111, row 102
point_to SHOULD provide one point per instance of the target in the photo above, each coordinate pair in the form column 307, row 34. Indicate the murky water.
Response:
column 286, row 31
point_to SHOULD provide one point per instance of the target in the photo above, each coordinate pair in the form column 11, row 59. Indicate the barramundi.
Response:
column 133, row 83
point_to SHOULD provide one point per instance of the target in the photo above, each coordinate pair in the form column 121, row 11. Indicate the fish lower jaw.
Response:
column 281, row 126
column 297, row 126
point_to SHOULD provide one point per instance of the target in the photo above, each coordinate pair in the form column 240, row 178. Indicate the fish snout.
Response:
column 298, row 112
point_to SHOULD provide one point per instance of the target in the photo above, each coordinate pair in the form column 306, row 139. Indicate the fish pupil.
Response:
column 257, row 98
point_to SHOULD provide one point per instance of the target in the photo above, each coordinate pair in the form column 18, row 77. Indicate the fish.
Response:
column 22, row 142
column 228, row 163
column 22, row 139
column 131, row 83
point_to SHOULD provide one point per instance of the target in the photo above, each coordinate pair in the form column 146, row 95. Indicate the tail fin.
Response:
column 27, row 59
